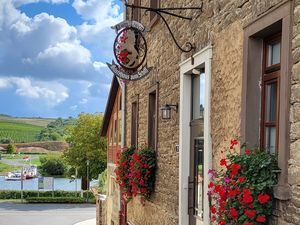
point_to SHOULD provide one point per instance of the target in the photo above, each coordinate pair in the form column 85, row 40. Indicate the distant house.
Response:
column 111, row 129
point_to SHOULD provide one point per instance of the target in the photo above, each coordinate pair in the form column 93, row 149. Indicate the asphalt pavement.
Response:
column 45, row 214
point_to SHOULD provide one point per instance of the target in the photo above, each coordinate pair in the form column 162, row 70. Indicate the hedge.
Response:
column 12, row 194
column 55, row 200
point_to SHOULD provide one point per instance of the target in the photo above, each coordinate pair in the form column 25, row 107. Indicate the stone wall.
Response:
column 220, row 24
column 101, row 210
column 113, row 197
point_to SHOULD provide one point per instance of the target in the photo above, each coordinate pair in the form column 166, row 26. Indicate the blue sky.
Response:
column 53, row 54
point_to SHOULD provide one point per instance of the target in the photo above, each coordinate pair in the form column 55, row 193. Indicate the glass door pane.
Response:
column 199, row 176
column 270, row 139
column 198, row 96
column 273, row 54
column 271, row 102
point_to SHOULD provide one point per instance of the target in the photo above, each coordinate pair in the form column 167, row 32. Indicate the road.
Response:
column 44, row 214
column 17, row 162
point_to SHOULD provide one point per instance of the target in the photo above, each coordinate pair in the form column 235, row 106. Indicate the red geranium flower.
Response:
column 223, row 162
column 222, row 222
column 235, row 169
column 261, row 219
column 247, row 198
column 248, row 223
column 250, row 213
column 241, row 179
column 213, row 209
column 210, row 185
column 248, row 152
column 233, row 213
column 233, row 142
column 263, row 198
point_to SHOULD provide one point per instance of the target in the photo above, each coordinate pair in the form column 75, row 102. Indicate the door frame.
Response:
column 202, row 59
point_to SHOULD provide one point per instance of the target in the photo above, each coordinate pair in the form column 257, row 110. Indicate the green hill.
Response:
column 18, row 131
column 37, row 121
column 24, row 130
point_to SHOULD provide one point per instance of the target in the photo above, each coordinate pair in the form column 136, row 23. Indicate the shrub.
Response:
column 15, row 194
column 102, row 182
column 53, row 166
column 5, row 140
column 243, row 189
column 11, row 148
column 55, row 200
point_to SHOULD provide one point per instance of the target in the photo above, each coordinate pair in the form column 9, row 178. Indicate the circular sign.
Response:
column 130, row 48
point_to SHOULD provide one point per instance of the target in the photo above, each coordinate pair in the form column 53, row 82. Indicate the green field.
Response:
column 19, row 132
column 4, row 168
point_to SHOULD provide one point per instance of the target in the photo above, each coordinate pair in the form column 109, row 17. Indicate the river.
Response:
column 32, row 184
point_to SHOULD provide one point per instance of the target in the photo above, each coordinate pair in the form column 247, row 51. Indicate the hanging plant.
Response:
column 123, row 170
column 136, row 173
column 142, row 173
column 242, row 190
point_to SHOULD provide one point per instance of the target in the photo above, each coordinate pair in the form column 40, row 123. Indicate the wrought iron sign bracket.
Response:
column 169, row 11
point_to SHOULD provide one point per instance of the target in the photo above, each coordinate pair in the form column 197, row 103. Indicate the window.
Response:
column 152, row 114
column 153, row 16
column 266, row 88
column 115, row 130
column 119, row 119
column 111, row 135
column 134, row 123
column 270, row 92
column 136, row 12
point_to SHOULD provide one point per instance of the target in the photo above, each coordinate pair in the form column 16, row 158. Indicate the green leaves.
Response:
column 86, row 144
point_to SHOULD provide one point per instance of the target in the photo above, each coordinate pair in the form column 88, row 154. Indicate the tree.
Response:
column 10, row 149
column 53, row 166
column 86, row 144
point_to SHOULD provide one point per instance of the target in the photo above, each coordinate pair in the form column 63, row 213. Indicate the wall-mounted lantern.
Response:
column 166, row 110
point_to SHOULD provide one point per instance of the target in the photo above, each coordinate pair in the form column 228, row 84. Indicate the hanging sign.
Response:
column 130, row 50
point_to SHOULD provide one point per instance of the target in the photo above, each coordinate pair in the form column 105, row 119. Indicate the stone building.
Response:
column 111, row 129
column 245, row 72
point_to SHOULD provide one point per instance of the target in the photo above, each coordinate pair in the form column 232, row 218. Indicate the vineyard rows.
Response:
column 19, row 132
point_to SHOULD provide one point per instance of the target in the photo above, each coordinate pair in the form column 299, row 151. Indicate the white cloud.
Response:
column 97, row 10
column 83, row 101
column 43, row 47
column 52, row 93
column 74, row 107
column 99, row 65
column 100, row 16
column 24, row 2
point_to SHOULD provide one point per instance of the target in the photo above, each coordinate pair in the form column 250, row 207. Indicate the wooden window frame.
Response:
column 275, row 20
column 270, row 74
column 153, row 90
column 136, row 12
column 134, row 100
column 153, row 17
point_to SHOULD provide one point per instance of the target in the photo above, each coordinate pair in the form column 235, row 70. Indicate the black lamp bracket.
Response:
column 174, row 107
column 169, row 11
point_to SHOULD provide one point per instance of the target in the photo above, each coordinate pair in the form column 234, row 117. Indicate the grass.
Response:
column 35, row 162
column 4, row 168
column 19, row 132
